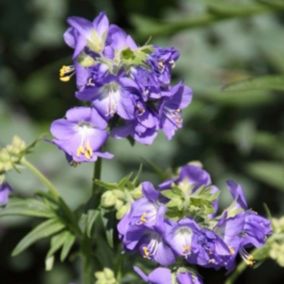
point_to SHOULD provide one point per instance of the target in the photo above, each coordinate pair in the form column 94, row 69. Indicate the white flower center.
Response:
column 183, row 237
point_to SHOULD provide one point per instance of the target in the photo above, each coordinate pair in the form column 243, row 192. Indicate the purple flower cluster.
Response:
column 127, row 90
column 213, row 243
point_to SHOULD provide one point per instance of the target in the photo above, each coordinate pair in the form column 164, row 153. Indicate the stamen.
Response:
column 66, row 72
column 80, row 151
column 143, row 218
column 146, row 252
column 174, row 116
column 161, row 66
column 248, row 258
column 232, row 251
column 186, row 249
column 90, row 82
column 88, row 150
column 85, row 149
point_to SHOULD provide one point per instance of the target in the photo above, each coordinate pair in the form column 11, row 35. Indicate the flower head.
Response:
column 86, row 34
column 81, row 134
column 129, row 85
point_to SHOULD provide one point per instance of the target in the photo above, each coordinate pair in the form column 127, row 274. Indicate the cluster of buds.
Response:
column 10, row 158
column 120, row 199
column 105, row 277
column 11, row 155
column 126, row 90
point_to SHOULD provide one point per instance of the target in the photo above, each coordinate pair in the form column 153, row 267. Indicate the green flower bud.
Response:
column 108, row 199
column 105, row 277
column 119, row 194
column 137, row 192
column 118, row 204
column 277, row 253
column 11, row 155
column 122, row 211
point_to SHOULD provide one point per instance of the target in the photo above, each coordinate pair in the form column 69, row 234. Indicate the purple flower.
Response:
column 5, row 191
column 237, row 193
column 143, row 228
column 143, row 128
column 188, row 278
column 194, row 174
column 109, row 97
column 81, row 134
column 246, row 229
column 118, row 40
column 144, row 84
column 170, row 110
column 162, row 275
column 83, row 33
column 162, row 61
column 198, row 246
column 146, row 211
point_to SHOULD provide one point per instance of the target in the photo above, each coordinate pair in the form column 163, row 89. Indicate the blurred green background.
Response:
column 235, row 132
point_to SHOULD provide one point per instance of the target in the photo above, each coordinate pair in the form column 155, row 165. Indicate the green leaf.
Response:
column 69, row 242
column 264, row 83
column 106, row 185
column 57, row 242
column 238, row 98
column 269, row 143
column 273, row 3
column 26, row 207
column 43, row 230
column 108, row 221
column 271, row 173
column 87, row 221
column 224, row 8
column 147, row 26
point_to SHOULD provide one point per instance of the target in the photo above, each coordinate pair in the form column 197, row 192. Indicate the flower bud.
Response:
column 105, row 277
column 108, row 199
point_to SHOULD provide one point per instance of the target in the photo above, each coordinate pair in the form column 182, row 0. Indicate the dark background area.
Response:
column 235, row 135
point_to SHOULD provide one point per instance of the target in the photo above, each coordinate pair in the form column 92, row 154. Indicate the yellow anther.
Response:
column 232, row 251
column 143, row 218
column 85, row 150
column 186, row 249
column 146, row 252
column 249, row 260
column 66, row 72
column 65, row 79
column 80, row 150
column 88, row 150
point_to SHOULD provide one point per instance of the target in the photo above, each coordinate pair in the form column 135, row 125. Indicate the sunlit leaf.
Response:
column 43, row 230
column 261, row 83
column 271, row 173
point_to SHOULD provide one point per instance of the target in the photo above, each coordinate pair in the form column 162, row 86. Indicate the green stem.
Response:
column 239, row 270
column 97, row 172
column 72, row 221
column 51, row 188
column 87, row 273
